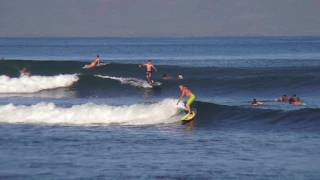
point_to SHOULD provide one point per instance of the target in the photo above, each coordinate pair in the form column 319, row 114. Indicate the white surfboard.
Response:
column 87, row 66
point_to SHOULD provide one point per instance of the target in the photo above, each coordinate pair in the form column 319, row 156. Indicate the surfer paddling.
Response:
column 186, row 92
column 149, row 71
column 255, row 102
column 95, row 62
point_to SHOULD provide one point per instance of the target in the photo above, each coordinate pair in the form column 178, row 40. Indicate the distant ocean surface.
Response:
column 66, row 122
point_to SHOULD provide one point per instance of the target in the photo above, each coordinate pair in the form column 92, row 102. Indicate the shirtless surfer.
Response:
column 24, row 72
column 255, row 102
column 283, row 98
column 187, row 92
column 95, row 62
column 164, row 76
column 295, row 100
column 149, row 71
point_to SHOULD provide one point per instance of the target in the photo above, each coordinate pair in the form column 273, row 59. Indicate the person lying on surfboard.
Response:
column 295, row 100
column 164, row 76
column 283, row 98
column 187, row 92
column 95, row 62
column 149, row 71
column 255, row 102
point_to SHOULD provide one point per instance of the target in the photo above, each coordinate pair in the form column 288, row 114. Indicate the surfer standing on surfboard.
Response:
column 149, row 71
column 95, row 62
column 187, row 92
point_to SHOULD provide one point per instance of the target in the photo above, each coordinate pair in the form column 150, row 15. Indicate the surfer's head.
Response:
column 181, row 87
column 98, row 55
column 149, row 61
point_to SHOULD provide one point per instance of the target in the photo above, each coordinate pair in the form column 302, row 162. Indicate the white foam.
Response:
column 165, row 111
column 26, row 84
column 131, row 81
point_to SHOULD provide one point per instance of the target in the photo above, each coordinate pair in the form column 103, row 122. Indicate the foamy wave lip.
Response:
column 131, row 81
column 162, row 112
column 26, row 84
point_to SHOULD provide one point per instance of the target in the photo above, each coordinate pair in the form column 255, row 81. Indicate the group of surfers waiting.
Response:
column 293, row 100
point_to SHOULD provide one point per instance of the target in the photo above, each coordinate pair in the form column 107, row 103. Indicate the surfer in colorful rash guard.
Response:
column 187, row 92
column 149, row 71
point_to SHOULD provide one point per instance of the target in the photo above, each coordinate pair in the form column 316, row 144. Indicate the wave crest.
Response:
column 26, row 84
column 162, row 112
column 132, row 81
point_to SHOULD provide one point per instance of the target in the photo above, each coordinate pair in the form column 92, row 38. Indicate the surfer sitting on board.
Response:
column 149, row 71
column 187, row 92
column 95, row 62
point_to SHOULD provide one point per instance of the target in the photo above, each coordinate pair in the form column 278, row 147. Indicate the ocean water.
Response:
column 66, row 122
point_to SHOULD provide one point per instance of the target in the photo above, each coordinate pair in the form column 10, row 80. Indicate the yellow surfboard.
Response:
column 188, row 117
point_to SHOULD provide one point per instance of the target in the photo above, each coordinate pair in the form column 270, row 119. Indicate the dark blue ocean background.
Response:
column 66, row 122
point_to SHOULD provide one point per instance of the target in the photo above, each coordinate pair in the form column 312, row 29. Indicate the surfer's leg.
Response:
column 189, row 102
column 148, row 79
column 92, row 64
column 189, row 109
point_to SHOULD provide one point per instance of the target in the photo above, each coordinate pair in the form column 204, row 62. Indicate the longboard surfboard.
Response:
column 188, row 117
column 87, row 66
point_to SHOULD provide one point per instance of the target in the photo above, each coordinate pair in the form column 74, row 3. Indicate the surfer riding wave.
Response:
column 149, row 71
column 186, row 92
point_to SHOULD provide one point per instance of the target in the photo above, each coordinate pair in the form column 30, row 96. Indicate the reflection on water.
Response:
column 149, row 93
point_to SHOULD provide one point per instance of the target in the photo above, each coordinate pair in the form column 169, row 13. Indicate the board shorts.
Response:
column 148, row 72
column 191, row 99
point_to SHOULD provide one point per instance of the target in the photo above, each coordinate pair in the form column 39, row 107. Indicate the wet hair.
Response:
column 285, row 95
column 149, row 60
column 164, row 75
column 294, row 95
column 98, row 55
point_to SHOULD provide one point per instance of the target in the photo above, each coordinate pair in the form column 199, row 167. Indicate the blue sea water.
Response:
column 66, row 122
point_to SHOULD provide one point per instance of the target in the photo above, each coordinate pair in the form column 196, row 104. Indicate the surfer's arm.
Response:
column 182, row 95
column 142, row 65
column 154, row 68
